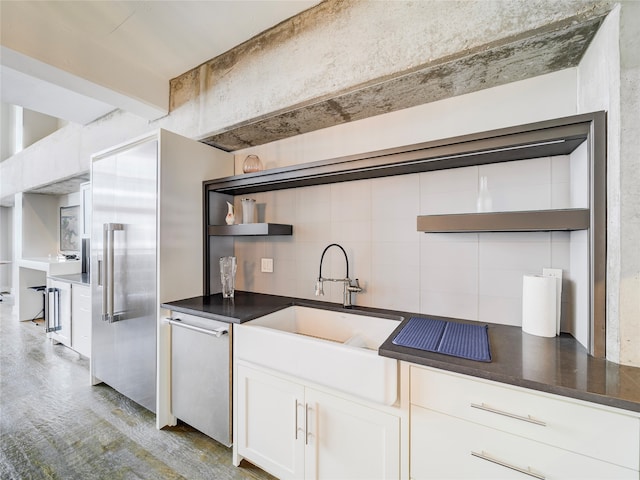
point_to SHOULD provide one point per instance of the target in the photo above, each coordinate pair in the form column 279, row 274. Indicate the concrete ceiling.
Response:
column 80, row 60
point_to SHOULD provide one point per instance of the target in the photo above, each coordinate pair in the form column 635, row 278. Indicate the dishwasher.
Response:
column 201, row 374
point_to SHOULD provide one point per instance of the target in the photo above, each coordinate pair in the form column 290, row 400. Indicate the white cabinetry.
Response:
column 462, row 427
column 81, row 319
column 293, row 430
column 69, row 315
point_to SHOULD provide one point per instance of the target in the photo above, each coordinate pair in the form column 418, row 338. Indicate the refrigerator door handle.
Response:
column 108, row 279
column 105, row 280
column 52, row 324
column 47, row 311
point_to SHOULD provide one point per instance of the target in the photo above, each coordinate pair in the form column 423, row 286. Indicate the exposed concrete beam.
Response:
column 543, row 50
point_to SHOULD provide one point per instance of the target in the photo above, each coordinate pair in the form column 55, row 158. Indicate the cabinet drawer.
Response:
column 81, row 297
column 569, row 424
column 448, row 447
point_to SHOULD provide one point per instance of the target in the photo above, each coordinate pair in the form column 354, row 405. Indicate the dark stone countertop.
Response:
column 243, row 307
column 78, row 278
column 558, row 365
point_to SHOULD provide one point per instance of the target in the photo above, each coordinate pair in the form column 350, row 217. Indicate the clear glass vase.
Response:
column 251, row 164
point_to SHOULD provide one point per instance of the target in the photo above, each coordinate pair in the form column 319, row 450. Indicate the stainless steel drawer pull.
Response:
column 526, row 471
column 296, row 426
column 528, row 418
column 218, row 332
column 306, row 424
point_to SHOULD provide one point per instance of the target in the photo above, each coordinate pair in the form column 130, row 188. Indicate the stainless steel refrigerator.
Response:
column 146, row 248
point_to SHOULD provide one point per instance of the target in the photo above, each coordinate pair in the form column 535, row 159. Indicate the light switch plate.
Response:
column 266, row 265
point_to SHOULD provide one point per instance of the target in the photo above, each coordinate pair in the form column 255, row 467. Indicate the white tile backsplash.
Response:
column 560, row 196
column 528, row 257
column 535, row 171
column 449, row 181
column 312, row 231
column 504, row 310
column 579, row 168
column 449, row 191
column 476, row 276
column 395, row 230
column 560, row 169
column 400, row 254
column 351, row 201
column 445, row 304
column 442, row 255
column 450, row 280
column 395, row 198
column 283, row 248
column 346, row 231
column 512, row 198
column 501, row 283
column 313, row 204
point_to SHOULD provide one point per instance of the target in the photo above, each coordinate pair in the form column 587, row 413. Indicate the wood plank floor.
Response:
column 54, row 425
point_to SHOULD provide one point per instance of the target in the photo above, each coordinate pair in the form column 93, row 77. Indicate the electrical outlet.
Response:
column 266, row 265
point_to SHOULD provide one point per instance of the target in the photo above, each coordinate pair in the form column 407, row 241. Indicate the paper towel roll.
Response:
column 539, row 305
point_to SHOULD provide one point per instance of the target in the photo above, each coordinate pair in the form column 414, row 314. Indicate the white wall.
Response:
column 609, row 79
column 66, row 153
column 38, row 223
column 36, row 126
column 629, row 183
column 471, row 276
column 540, row 98
column 6, row 247
column 10, row 117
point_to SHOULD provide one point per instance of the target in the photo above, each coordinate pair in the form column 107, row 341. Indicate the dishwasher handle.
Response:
column 218, row 332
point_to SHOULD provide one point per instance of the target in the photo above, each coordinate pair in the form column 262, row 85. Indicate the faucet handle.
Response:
column 354, row 288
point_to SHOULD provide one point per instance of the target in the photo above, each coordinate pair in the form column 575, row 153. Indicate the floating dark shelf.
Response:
column 543, row 139
column 521, row 221
column 250, row 229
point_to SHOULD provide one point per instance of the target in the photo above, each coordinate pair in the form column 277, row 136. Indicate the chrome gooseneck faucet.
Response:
column 348, row 287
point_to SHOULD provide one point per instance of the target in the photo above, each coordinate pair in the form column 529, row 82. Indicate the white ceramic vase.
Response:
column 230, row 218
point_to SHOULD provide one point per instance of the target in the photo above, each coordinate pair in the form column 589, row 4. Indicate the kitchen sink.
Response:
column 331, row 348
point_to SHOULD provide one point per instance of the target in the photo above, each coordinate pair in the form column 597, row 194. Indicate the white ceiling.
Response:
column 79, row 60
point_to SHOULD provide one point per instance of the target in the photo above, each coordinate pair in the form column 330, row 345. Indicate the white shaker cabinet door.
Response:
column 346, row 440
column 270, row 423
column 295, row 431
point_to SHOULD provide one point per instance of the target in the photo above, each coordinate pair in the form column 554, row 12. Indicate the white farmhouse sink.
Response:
column 335, row 349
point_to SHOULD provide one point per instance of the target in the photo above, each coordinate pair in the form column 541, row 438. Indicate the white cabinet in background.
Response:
column 81, row 319
column 69, row 308
column 58, row 311
column 292, row 430
column 464, row 427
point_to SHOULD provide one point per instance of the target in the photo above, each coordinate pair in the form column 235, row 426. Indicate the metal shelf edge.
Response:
column 519, row 221
column 250, row 229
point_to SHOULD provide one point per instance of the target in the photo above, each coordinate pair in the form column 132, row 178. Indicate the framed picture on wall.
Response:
column 69, row 229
